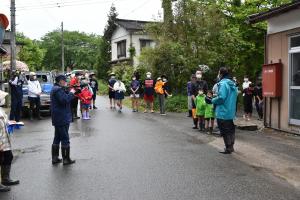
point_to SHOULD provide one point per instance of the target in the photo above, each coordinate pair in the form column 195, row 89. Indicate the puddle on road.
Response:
column 82, row 131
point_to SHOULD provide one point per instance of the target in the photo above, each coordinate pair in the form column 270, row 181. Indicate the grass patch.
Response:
column 103, row 88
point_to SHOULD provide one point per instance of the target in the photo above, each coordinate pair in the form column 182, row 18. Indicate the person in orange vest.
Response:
column 162, row 93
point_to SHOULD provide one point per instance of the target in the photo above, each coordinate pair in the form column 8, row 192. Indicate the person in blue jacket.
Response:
column 225, row 103
column 61, row 99
column 16, row 88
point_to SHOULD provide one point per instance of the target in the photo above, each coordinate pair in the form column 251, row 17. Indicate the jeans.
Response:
column 16, row 108
column 61, row 135
column 162, row 103
column 227, row 129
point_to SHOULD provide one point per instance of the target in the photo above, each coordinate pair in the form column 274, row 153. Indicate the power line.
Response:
column 66, row 4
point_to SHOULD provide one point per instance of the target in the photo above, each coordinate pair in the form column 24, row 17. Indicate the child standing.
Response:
column 120, row 90
column 200, row 108
column 209, row 113
column 95, row 88
column 85, row 98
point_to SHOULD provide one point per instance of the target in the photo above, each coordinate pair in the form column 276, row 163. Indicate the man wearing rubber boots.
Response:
column 225, row 104
column 61, row 99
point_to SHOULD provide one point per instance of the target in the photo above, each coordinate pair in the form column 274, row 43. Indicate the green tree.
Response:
column 30, row 53
column 105, row 51
column 81, row 50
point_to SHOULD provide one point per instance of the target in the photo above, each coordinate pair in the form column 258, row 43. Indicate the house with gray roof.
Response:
column 129, row 34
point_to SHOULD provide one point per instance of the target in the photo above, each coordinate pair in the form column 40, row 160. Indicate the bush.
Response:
column 173, row 104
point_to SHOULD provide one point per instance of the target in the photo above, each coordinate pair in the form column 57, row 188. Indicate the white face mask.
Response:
column 113, row 77
column 165, row 80
column 34, row 77
column 148, row 76
column 198, row 76
column 133, row 79
column 201, row 92
column 246, row 79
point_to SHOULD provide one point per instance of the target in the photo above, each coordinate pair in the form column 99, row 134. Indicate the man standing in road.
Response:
column 61, row 118
column 196, row 86
column 225, row 103
column 16, row 86
column 34, row 93
column 149, row 93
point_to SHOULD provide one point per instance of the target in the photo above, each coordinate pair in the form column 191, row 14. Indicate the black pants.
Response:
column 16, row 108
column 74, row 106
column 61, row 135
column 259, row 109
column 227, row 129
column 6, row 157
column 35, row 102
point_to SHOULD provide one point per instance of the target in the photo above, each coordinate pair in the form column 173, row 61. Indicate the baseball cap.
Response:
column 60, row 77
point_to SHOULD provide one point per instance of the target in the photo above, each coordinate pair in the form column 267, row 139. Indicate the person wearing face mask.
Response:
column 246, row 82
column 134, row 89
column 61, row 114
column 149, row 93
column 16, row 85
column 6, row 155
column 225, row 103
column 111, row 92
column 34, row 93
column 196, row 86
column 75, row 84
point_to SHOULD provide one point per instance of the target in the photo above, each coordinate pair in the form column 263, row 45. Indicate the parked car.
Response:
column 46, row 80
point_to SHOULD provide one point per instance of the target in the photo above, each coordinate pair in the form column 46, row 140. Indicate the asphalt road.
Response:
column 132, row 156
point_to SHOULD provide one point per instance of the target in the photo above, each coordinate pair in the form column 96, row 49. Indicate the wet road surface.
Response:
column 134, row 157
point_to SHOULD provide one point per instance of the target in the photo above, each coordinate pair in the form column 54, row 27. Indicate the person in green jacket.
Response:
column 200, row 108
column 209, row 113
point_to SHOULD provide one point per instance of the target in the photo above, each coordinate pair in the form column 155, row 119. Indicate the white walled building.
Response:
column 129, row 33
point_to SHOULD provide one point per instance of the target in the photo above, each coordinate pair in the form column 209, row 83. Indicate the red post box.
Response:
column 272, row 80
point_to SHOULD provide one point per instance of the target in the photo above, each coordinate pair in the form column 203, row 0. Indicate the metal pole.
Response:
column 62, row 48
column 13, row 35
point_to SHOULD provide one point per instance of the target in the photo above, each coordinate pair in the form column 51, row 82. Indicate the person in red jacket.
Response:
column 85, row 97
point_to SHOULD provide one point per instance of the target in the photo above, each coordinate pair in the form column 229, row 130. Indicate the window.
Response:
column 145, row 43
column 294, row 54
column 121, row 46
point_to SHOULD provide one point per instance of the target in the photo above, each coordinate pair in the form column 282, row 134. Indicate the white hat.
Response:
column 32, row 74
column 148, row 73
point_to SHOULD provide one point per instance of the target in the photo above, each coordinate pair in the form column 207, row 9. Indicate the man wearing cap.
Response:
column 61, row 114
column 75, row 84
column 16, row 85
column 34, row 93
column 111, row 92
column 149, row 85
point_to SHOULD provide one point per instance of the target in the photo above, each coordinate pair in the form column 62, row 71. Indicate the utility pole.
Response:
column 13, row 35
column 62, row 48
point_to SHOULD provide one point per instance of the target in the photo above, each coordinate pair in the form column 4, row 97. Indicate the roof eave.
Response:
column 252, row 19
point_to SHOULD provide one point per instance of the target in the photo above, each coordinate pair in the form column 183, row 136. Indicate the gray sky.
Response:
column 37, row 17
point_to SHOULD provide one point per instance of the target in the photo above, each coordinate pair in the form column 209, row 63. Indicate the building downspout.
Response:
column 266, row 62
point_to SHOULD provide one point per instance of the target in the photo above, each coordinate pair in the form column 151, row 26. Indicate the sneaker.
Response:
column 163, row 114
column 95, row 108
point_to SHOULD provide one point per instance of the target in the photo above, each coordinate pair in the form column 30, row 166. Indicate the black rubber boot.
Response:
column 5, row 176
column 4, row 188
column 195, row 123
column 30, row 115
column 190, row 113
column 55, row 154
column 65, row 151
